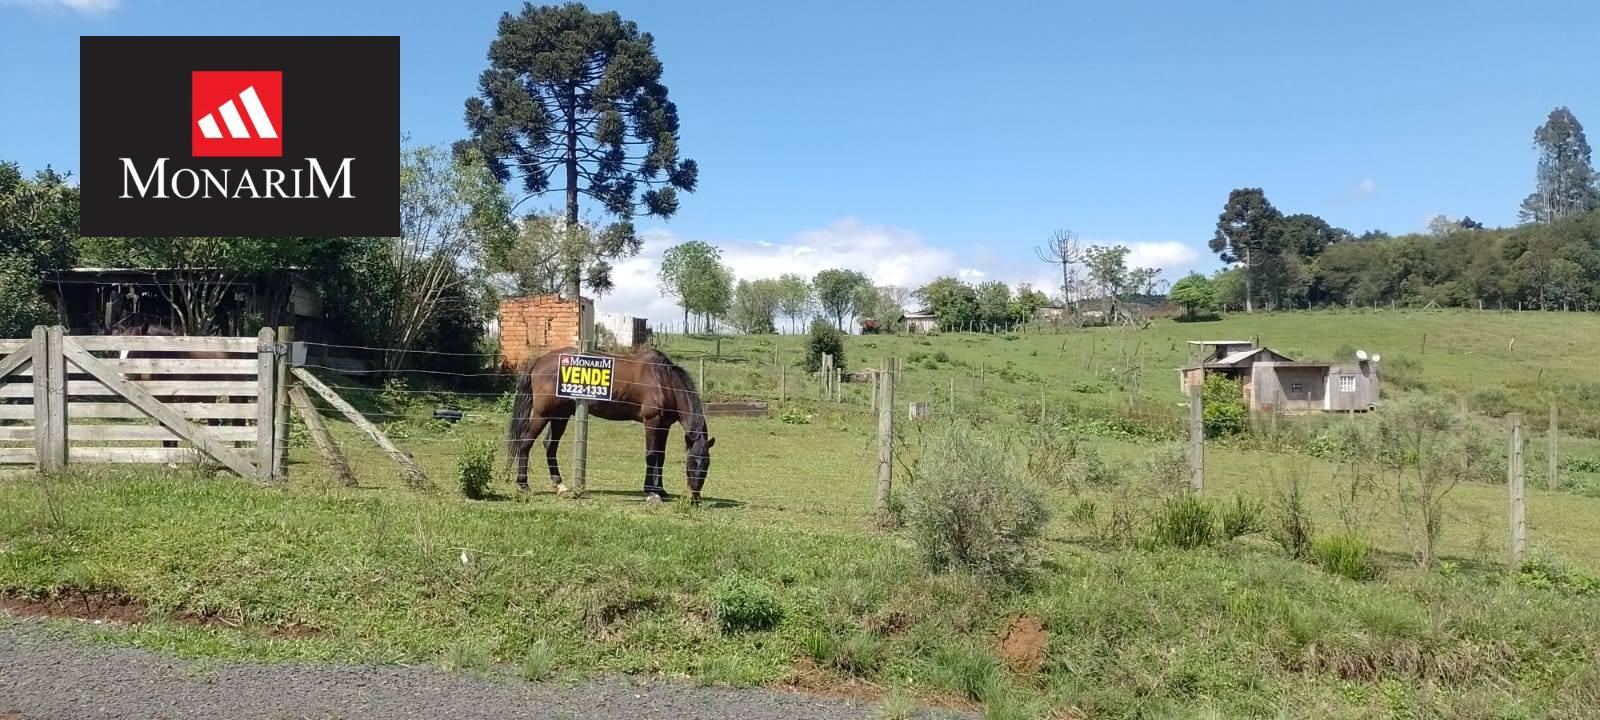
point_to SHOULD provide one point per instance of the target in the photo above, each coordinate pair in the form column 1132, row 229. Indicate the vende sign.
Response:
column 249, row 136
column 585, row 377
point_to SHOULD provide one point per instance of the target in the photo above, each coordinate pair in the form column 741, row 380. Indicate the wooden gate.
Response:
column 93, row 399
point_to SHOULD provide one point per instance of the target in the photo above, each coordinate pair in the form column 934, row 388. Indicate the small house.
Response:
column 629, row 331
column 1050, row 313
column 920, row 321
column 1272, row 381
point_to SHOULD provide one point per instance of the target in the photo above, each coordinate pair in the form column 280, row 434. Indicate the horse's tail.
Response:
column 521, row 412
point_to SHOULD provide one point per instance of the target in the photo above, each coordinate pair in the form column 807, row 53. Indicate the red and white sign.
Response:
column 237, row 113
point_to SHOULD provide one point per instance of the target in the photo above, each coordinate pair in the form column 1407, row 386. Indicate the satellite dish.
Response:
column 1376, row 358
column 1361, row 355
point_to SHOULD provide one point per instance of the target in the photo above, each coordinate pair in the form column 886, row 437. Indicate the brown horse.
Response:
column 647, row 388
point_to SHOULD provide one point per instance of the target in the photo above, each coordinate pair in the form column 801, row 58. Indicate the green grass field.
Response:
column 608, row 583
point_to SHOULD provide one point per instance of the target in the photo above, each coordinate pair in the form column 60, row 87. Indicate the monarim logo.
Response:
column 270, row 150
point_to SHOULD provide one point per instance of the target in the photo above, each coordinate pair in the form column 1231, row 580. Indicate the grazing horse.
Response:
column 646, row 387
column 148, row 328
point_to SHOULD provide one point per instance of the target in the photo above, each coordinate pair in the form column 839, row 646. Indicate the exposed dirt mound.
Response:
column 1024, row 644
column 103, row 606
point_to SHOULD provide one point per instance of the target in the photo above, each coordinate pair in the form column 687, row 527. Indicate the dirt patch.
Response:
column 115, row 607
column 889, row 622
column 809, row 678
column 1024, row 644
column 100, row 606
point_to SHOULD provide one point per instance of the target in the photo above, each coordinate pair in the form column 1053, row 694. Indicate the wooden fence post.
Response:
column 1516, row 483
column 885, row 445
column 702, row 379
column 952, row 397
column 1197, row 440
column 875, row 376
column 1553, row 481
column 280, row 431
column 319, row 435
column 415, row 477
column 57, row 396
column 783, row 383
column 42, row 430
column 838, row 384
column 266, row 403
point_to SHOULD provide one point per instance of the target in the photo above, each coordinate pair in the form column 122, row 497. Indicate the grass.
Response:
column 611, row 584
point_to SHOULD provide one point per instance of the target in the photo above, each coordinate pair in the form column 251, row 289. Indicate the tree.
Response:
column 692, row 273
column 538, row 257
column 1063, row 249
column 38, row 218
column 575, row 97
column 994, row 303
column 755, row 302
column 1308, row 235
column 1566, row 180
column 837, row 292
column 1441, row 225
column 1248, row 232
column 1108, row 269
column 794, row 298
column 882, row 304
column 1026, row 304
column 954, row 302
column 1193, row 292
column 1467, row 223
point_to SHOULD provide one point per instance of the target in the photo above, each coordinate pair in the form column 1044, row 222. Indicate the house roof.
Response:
column 1220, row 342
column 1234, row 358
column 919, row 315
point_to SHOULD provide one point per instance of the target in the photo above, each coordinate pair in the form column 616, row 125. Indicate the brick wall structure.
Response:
column 531, row 326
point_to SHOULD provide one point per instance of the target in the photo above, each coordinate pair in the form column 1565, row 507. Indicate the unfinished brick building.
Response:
column 531, row 326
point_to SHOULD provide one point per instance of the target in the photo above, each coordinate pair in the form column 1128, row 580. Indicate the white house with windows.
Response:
column 1271, row 380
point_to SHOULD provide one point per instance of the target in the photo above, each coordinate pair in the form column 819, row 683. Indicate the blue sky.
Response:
column 911, row 139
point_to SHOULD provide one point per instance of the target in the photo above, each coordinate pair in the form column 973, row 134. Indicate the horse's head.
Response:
column 699, row 462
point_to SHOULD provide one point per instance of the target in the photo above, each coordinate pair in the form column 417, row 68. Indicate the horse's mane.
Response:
column 694, row 420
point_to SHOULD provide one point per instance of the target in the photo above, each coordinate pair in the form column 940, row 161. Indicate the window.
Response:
column 1296, row 387
column 1347, row 383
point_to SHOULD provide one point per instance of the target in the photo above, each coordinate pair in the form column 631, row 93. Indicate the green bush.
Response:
column 857, row 654
column 20, row 306
column 1184, row 521
column 1545, row 576
column 475, row 468
column 744, row 604
column 1289, row 523
column 1345, row 554
column 824, row 339
column 795, row 416
column 970, row 506
column 941, row 357
column 1224, row 408
column 1241, row 517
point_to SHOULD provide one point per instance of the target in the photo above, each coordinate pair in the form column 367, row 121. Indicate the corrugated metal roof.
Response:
column 1234, row 358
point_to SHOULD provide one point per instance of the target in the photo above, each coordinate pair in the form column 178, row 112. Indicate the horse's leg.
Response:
column 552, row 443
column 655, row 454
column 520, row 448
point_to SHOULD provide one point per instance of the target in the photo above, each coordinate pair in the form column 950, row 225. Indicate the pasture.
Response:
column 607, row 583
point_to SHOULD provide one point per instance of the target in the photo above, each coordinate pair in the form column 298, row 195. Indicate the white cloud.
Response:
column 1365, row 187
column 82, row 7
column 888, row 255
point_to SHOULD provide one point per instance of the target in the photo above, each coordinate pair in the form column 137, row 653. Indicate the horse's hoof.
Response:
column 652, row 498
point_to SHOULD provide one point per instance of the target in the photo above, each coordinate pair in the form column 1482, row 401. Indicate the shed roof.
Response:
column 1237, row 357
column 1220, row 342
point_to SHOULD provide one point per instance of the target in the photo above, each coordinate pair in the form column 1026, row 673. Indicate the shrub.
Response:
column 1183, row 521
column 20, row 306
column 1545, row 576
column 1224, row 408
column 1401, row 373
column 744, row 604
column 1290, row 522
column 858, row 654
column 1491, row 401
column 795, row 416
column 475, row 468
column 941, row 357
column 970, row 507
column 824, row 339
column 1241, row 517
column 1345, row 554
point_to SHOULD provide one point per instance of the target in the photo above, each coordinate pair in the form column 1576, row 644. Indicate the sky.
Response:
column 912, row 140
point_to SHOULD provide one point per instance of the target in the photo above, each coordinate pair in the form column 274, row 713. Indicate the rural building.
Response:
column 533, row 325
column 629, row 331
column 91, row 300
column 920, row 321
column 1273, row 381
column 1051, row 313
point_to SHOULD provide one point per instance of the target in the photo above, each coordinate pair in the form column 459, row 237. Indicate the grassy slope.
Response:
column 613, row 584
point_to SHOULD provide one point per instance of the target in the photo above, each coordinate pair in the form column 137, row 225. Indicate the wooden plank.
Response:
column 158, row 388
column 40, row 410
column 162, row 366
column 56, row 437
column 319, row 435
column 18, row 456
column 165, row 343
column 131, row 455
column 266, row 380
column 13, row 363
column 736, row 409
column 414, row 474
column 124, row 411
column 98, row 433
column 161, row 413
column 24, row 432
column 1516, row 482
column 13, row 345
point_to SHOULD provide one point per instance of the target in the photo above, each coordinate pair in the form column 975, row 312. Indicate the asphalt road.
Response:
column 43, row 677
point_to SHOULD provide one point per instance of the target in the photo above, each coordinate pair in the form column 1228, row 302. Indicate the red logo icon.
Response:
column 236, row 113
